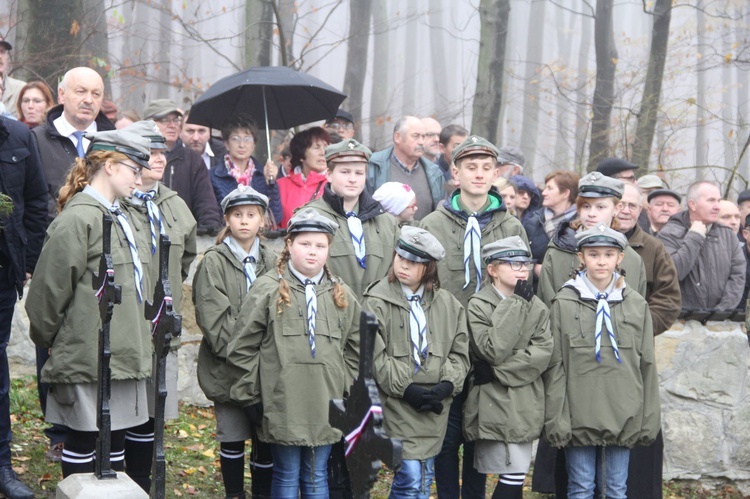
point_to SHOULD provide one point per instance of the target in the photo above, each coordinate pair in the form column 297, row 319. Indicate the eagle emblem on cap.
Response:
column 241, row 187
column 474, row 139
column 351, row 145
column 602, row 228
column 594, row 176
column 156, row 129
column 414, row 239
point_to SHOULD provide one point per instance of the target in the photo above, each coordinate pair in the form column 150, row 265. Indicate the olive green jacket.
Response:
column 63, row 309
column 422, row 433
column 380, row 232
column 219, row 286
column 513, row 336
column 449, row 228
column 272, row 357
column 601, row 403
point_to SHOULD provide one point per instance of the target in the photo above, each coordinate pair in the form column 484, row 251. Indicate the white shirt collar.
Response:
column 208, row 155
column 66, row 130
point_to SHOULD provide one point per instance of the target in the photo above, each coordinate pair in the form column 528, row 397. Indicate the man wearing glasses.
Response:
column 186, row 172
column 342, row 125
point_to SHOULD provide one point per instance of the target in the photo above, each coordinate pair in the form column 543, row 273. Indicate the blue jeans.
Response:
column 605, row 467
column 446, row 463
column 299, row 470
column 413, row 479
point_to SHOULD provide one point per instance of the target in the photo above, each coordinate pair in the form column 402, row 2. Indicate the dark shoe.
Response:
column 11, row 487
column 54, row 453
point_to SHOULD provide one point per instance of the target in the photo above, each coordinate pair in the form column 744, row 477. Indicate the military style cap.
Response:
column 159, row 108
column 474, row 145
column 309, row 220
column 598, row 185
column 510, row 249
column 244, row 195
column 651, row 182
column 125, row 142
column 601, row 235
column 612, row 166
column 510, row 155
column 349, row 151
column 668, row 192
column 418, row 245
column 744, row 196
column 149, row 130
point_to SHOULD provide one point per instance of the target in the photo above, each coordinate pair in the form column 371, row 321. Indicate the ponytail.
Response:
column 81, row 173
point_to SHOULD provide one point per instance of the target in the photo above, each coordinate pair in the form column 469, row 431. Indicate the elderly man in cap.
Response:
column 662, row 204
column 619, row 169
column 710, row 264
column 405, row 162
column 477, row 211
column 11, row 87
column 510, row 161
column 185, row 172
column 342, row 125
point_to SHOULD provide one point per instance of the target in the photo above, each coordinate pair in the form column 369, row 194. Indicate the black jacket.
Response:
column 21, row 178
column 58, row 153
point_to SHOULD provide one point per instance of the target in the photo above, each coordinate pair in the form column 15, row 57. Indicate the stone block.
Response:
column 87, row 486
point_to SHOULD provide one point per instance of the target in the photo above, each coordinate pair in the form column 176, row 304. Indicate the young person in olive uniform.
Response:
column 602, row 397
column 512, row 344
column 295, row 347
column 160, row 211
column 222, row 280
column 63, row 308
column 421, row 356
column 472, row 216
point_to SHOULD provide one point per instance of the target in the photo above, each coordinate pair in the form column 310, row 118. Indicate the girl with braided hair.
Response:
column 295, row 347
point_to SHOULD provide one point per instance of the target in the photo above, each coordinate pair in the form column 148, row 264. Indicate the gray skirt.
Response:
column 493, row 457
column 231, row 423
column 170, row 406
column 74, row 405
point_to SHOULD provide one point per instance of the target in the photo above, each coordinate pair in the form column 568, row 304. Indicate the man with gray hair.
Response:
column 710, row 264
column 404, row 162
column 511, row 161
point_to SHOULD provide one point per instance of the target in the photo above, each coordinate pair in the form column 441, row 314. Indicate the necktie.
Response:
column 358, row 237
column 249, row 268
column 472, row 250
column 417, row 330
column 312, row 308
column 603, row 318
column 79, row 144
column 153, row 214
column 137, row 270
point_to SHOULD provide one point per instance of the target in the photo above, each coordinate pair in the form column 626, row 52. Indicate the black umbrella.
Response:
column 277, row 95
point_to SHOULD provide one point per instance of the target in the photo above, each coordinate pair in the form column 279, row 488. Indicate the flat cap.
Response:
column 149, row 130
column 349, row 151
column 5, row 44
column 244, row 195
column 601, row 235
column 343, row 115
column 612, row 166
column 510, row 249
column 652, row 182
column 510, row 155
column 474, row 145
column 309, row 220
column 159, row 108
column 665, row 192
column 744, row 196
column 598, row 185
column 418, row 245
column 128, row 143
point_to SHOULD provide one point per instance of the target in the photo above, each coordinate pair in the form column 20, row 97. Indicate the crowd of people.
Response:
column 508, row 312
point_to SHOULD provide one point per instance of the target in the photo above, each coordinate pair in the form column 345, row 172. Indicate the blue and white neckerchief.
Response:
column 358, row 237
column 114, row 208
column 417, row 326
column 472, row 250
column 603, row 317
column 311, row 302
column 152, row 211
column 249, row 260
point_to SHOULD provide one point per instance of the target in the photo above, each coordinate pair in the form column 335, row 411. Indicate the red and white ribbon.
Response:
column 157, row 318
column 353, row 437
column 100, row 292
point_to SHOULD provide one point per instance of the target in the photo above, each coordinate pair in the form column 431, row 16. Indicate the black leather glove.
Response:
column 524, row 289
column 254, row 413
column 415, row 395
column 433, row 405
column 483, row 373
column 441, row 390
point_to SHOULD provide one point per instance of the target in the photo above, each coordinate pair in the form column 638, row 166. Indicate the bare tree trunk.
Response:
column 285, row 15
column 356, row 57
column 258, row 33
column 562, row 141
column 743, row 89
column 532, row 83
column 604, row 93
column 95, row 50
column 700, row 118
column 581, row 95
column 644, row 134
column 379, row 101
column 440, row 80
column 493, row 16
column 411, row 58
column 165, row 47
column 727, row 112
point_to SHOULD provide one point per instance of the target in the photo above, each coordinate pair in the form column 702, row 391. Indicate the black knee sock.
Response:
column 117, row 452
column 232, row 458
column 139, row 450
column 261, row 468
column 78, row 453
column 510, row 486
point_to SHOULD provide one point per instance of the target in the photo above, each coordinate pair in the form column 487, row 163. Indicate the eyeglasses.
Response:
column 340, row 126
column 138, row 171
column 237, row 139
column 630, row 206
column 26, row 100
column 430, row 135
column 169, row 121
column 520, row 265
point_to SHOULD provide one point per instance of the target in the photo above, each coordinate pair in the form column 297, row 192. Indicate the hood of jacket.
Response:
column 525, row 183
column 565, row 237
column 368, row 207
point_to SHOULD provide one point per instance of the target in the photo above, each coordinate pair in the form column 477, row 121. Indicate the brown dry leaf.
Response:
column 195, row 448
column 182, row 434
column 45, row 478
column 209, row 453
column 75, row 28
column 177, row 492
column 202, row 469
column 22, row 458
column 201, row 427
column 189, row 471
column 20, row 470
